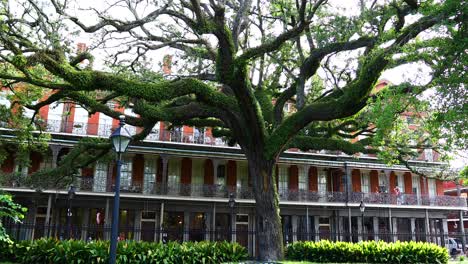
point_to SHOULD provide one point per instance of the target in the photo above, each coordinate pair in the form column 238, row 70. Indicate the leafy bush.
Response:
column 79, row 252
column 367, row 252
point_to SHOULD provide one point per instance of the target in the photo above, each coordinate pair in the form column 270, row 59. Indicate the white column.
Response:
column 161, row 219
column 213, row 224
column 428, row 227
column 233, row 225
column 186, row 226
column 317, row 227
column 47, row 220
column 376, row 228
column 350, row 231
column 55, row 151
column 462, row 231
column 390, row 225
column 107, row 221
column 340, row 228
column 444, row 230
column 208, row 217
column 252, row 243
column 307, row 223
column 84, row 231
column 294, row 228
column 359, row 228
column 395, row 229
column 413, row 229
column 137, row 228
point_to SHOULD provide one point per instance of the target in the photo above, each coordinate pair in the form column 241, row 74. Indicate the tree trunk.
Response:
column 268, row 221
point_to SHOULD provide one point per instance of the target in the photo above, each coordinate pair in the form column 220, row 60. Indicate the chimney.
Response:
column 81, row 47
column 167, row 64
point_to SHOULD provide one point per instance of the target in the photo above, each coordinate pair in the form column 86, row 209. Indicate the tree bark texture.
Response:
column 268, row 222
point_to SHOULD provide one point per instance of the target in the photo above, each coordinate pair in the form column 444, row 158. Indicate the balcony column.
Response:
column 161, row 222
column 207, row 230
column 340, row 228
column 390, row 224
column 395, row 229
column 462, row 231
column 317, row 227
column 376, row 227
column 85, row 226
column 294, row 228
column 444, row 231
column 186, row 226
column 347, row 179
column 30, row 218
column 107, row 220
column 359, row 229
column 47, row 220
column 252, row 238
column 413, row 228
column 165, row 162
column 307, row 223
column 428, row 226
column 55, row 152
column 213, row 223
column 137, row 225
column 348, row 174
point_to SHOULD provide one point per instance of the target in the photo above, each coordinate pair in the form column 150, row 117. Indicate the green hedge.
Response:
column 76, row 251
column 367, row 252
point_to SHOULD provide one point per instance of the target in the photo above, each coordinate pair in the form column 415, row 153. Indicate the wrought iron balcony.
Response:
column 198, row 136
column 245, row 192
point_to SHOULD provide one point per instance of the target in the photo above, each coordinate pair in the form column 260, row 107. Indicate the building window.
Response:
column 303, row 178
column 400, row 182
column 283, row 179
column 365, row 182
column 126, row 173
column 383, row 185
column 322, row 181
column 428, row 155
column 173, row 175
column 432, row 187
column 416, row 185
column 242, row 175
column 149, row 175
column 100, row 177
column 221, row 175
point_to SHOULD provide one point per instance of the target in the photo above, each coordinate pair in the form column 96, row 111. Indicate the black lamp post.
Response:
column 120, row 141
column 362, row 207
column 232, row 204
column 71, row 195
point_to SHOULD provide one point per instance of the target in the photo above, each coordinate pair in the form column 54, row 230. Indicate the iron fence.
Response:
column 27, row 231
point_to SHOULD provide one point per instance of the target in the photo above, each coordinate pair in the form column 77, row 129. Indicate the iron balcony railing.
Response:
column 198, row 136
column 246, row 192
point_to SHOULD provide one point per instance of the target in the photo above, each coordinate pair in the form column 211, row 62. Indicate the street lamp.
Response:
column 231, row 204
column 120, row 140
column 71, row 195
column 362, row 208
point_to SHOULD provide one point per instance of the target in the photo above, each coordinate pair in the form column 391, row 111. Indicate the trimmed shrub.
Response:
column 80, row 252
column 367, row 252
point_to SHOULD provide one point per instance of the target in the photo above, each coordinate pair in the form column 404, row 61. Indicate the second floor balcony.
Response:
column 246, row 192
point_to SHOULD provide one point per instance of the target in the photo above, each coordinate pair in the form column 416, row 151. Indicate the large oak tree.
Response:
column 236, row 64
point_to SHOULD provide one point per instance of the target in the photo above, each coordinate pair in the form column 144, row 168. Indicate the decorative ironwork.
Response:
column 246, row 192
